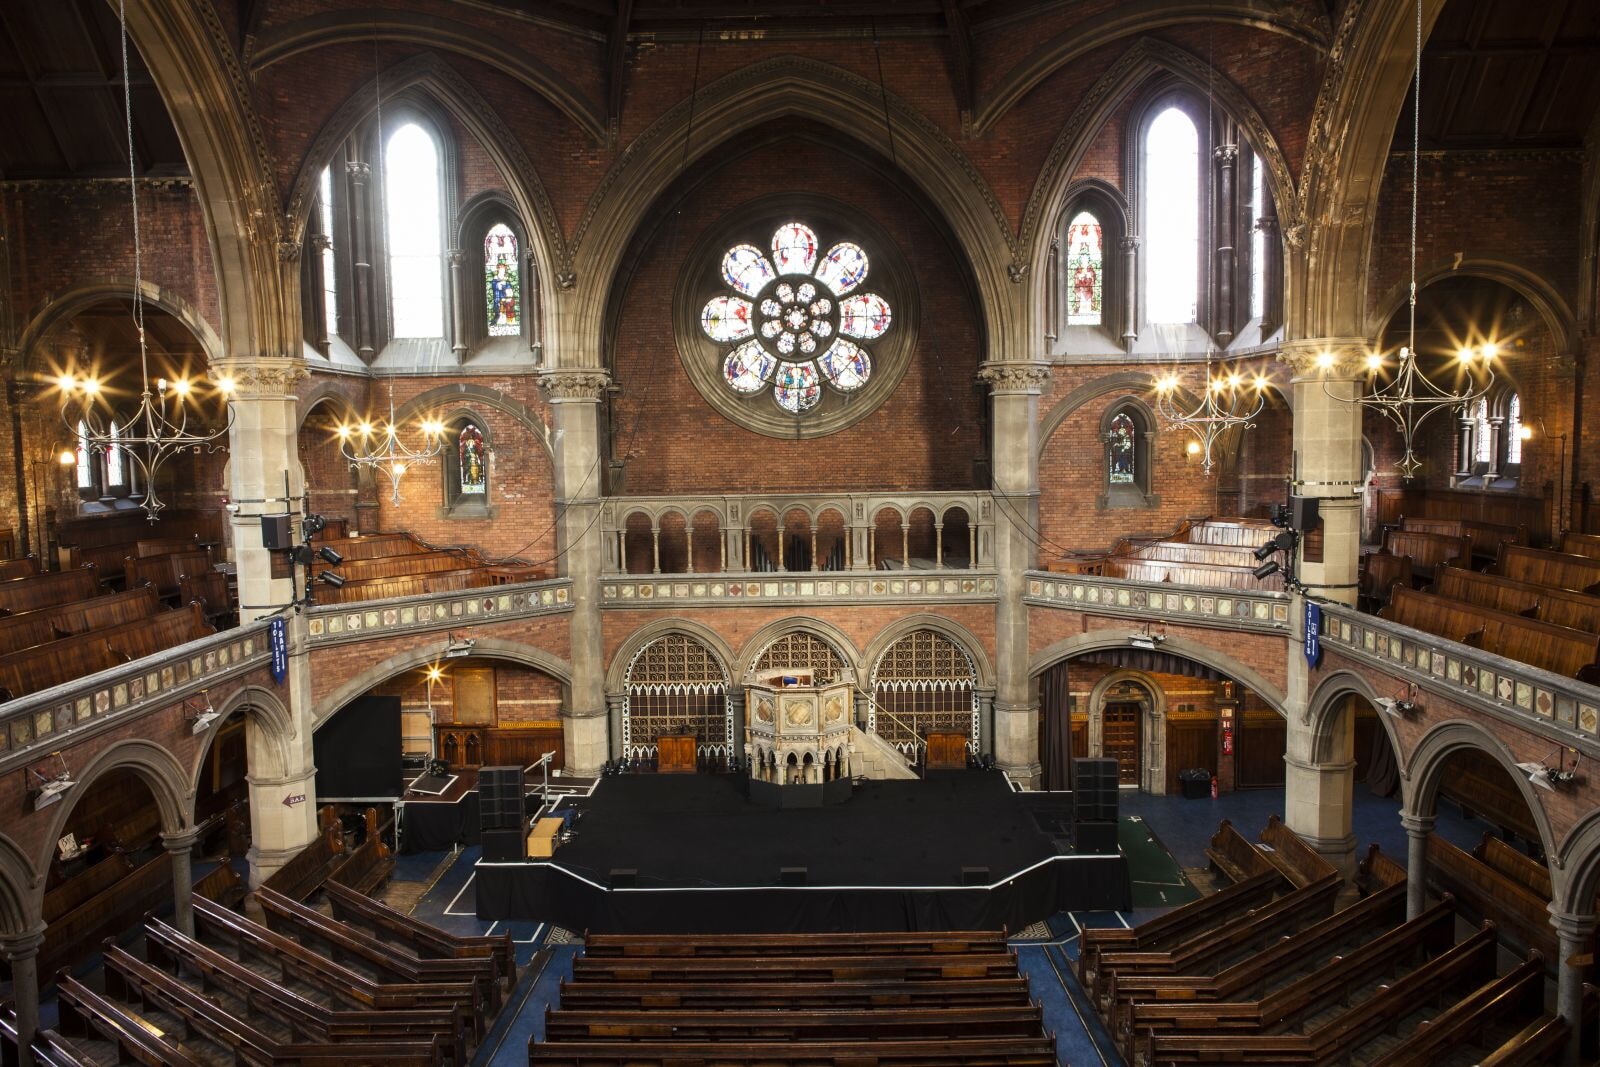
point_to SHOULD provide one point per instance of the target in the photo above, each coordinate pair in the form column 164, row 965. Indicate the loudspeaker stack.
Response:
column 500, row 814
column 1094, row 805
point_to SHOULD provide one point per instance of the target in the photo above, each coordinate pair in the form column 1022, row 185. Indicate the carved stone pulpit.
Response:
column 798, row 733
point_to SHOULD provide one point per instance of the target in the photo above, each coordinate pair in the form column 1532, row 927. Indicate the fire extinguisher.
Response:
column 1213, row 787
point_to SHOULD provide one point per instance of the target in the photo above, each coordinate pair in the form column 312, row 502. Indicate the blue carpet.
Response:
column 415, row 867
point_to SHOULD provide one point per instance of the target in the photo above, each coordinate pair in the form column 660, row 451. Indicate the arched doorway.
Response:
column 1122, row 714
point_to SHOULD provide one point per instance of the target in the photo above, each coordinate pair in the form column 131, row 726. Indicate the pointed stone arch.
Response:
column 21, row 889
column 276, row 733
column 1536, row 290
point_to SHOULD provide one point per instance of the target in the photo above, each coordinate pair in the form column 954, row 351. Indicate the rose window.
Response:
column 795, row 320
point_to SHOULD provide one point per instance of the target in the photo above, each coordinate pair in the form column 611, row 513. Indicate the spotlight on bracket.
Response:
column 459, row 647
column 1397, row 707
column 48, row 789
column 1266, row 570
column 330, row 556
column 331, row 578
column 1547, row 777
column 200, row 718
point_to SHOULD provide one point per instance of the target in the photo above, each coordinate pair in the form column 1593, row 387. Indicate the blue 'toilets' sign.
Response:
column 1313, row 646
column 278, row 641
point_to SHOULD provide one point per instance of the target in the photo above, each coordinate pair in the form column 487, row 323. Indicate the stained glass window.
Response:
column 1258, row 244
column 502, row 281
column 1514, row 430
column 330, row 285
column 1085, row 282
column 1172, row 217
column 1121, row 450
column 85, row 459
column 788, row 332
column 411, row 202
column 115, row 472
column 472, row 459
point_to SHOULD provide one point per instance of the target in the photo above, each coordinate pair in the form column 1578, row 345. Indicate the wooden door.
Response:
column 1119, row 739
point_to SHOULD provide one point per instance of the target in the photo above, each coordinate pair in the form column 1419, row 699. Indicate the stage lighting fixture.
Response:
column 1266, row 570
column 1266, row 550
column 330, row 556
column 331, row 578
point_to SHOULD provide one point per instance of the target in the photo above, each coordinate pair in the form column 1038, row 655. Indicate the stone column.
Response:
column 1327, row 456
column 1014, row 403
column 1052, row 292
column 1319, row 787
column 458, row 304
column 985, row 721
column 1497, row 430
column 264, row 471
column 575, row 398
column 21, row 951
column 1224, row 225
column 314, row 296
column 1272, row 267
column 1130, row 290
column 1464, row 432
column 1576, row 937
column 180, row 846
column 1418, row 827
column 283, row 778
column 364, row 321
column 614, row 707
column 736, row 711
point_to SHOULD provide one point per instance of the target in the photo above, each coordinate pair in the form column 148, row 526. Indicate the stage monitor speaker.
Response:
column 500, row 798
column 504, row 846
column 1095, row 837
column 623, row 878
column 276, row 532
column 1095, row 784
column 792, row 875
column 1304, row 513
column 974, row 876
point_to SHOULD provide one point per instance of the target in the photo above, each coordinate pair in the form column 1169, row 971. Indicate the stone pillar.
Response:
column 1418, row 827
column 264, row 471
column 1319, row 786
column 1497, row 430
column 1272, row 267
column 1014, row 403
column 1225, row 224
column 1052, row 292
column 736, row 711
column 1130, row 290
column 985, row 721
column 180, row 846
column 1327, row 456
column 575, row 397
column 283, row 778
column 1576, row 936
column 21, row 951
column 458, row 304
column 314, row 296
column 614, row 708
column 363, row 321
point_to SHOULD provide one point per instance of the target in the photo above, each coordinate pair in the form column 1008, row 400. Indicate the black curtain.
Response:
column 1383, row 771
column 1056, row 702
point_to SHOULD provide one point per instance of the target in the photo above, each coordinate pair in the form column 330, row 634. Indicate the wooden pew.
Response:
column 47, row 590
column 215, row 924
column 310, row 867
column 1450, row 970
column 1298, row 862
column 1376, row 872
column 930, row 968
column 78, row 889
column 371, row 546
column 222, row 884
column 1013, row 1052
column 166, row 571
column 351, row 906
column 1196, row 574
column 405, row 585
column 1188, row 552
column 1174, row 926
column 1486, row 537
column 178, row 954
column 1558, row 649
column 1380, row 573
column 1498, row 508
column 1245, row 533
column 355, row 570
column 31, row 628
column 110, row 560
column 1140, row 1001
column 335, row 529
column 18, row 568
column 210, row 591
column 1562, row 607
column 367, row 867
column 1560, row 569
column 1428, row 550
column 1581, row 544
column 820, row 944
column 397, row 963
column 85, row 1015
column 132, row 980
column 126, row 527
column 1519, row 995
column 925, row 1024
column 718, row 996
column 1484, row 893
column 107, row 913
column 1232, row 854
column 35, row 669
column 1517, row 866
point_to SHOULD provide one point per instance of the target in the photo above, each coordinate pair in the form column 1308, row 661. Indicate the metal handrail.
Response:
column 912, row 730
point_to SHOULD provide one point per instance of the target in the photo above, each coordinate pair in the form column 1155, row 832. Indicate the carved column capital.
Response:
column 1130, row 243
column 569, row 385
column 358, row 170
column 1013, row 378
column 1329, row 357
column 259, row 378
column 1225, row 154
column 24, row 945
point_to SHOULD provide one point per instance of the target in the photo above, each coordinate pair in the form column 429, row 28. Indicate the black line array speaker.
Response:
column 499, row 799
column 792, row 875
column 504, row 846
column 1094, row 790
column 974, row 876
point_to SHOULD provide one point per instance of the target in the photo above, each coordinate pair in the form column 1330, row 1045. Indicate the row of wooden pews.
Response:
column 1558, row 649
column 885, row 999
column 1268, row 971
column 1212, row 553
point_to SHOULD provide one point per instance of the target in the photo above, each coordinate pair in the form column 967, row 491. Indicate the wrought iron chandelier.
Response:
column 159, row 428
column 1225, row 404
column 377, row 447
column 1410, row 397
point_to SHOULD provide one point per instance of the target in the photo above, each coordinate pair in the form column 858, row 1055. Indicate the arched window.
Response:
column 922, row 682
column 1122, row 455
column 414, row 229
column 330, row 282
column 1482, row 432
column 472, row 470
column 116, row 466
column 1514, row 430
column 502, row 282
column 85, row 466
column 1085, row 280
column 1125, row 432
column 1258, row 243
column 1171, row 218
column 468, row 456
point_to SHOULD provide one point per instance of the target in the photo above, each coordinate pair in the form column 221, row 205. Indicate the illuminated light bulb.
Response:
column 1234, row 380
column 181, row 387
column 1490, row 351
column 1218, row 385
column 389, row 431
column 1194, row 448
column 366, row 429
column 434, row 674
column 1464, row 355
column 91, row 387
column 399, row 468
column 66, row 383
column 344, row 432
column 1374, row 360
column 1526, row 433
column 1325, row 360
column 67, row 457
column 1260, row 382
column 432, row 427
column 226, row 385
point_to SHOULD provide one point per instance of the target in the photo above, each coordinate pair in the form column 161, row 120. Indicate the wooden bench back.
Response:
column 165, row 571
column 124, row 528
column 1235, row 856
column 1553, row 648
column 1517, row 866
column 80, row 887
column 1428, row 550
column 371, row 546
column 404, row 585
column 162, row 546
column 1210, row 576
column 1245, row 533
column 18, row 568
column 301, row 876
column 1187, row 552
column 1486, row 537
column 1485, row 893
column 32, row 628
column 1377, row 872
column 1581, row 544
column 1563, row 607
column 355, row 570
column 46, row 665
column 1381, row 572
column 1299, row 862
column 337, row 529
column 47, row 590
column 1560, row 569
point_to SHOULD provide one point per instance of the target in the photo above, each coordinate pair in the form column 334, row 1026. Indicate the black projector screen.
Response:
column 358, row 750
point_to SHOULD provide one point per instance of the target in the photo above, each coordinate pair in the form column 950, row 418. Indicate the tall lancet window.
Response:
column 116, row 471
column 502, row 282
column 330, row 284
column 85, row 467
column 411, row 203
column 472, row 460
column 1085, row 275
column 1172, row 218
column 1258, row 243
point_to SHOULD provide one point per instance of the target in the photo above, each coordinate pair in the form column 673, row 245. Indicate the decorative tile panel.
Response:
column 961, row 586
column 1234, row 609
column 335, row 623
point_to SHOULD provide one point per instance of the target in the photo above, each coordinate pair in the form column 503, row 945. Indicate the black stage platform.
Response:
column 890, row 858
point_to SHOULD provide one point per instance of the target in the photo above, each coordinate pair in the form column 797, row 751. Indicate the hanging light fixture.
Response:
column 159, row 428
column 1226, row 403
column 376, row 446
column 1410, row 397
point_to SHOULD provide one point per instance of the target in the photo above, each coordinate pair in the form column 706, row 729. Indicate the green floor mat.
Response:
column 1158, row 881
